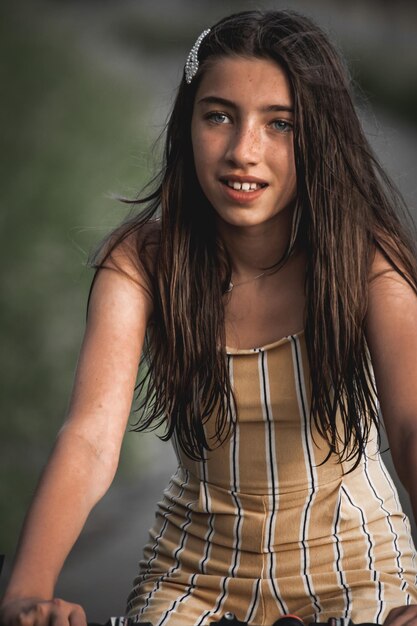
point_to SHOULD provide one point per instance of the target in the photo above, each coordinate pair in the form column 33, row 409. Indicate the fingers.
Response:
column 402, row 616
column 65, row 614
column 37, row 612
column 77, row 617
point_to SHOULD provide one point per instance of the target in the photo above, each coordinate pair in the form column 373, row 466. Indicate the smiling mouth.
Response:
column 245, row 186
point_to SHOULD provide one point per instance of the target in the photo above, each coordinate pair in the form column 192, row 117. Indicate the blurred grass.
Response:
column 70, row 134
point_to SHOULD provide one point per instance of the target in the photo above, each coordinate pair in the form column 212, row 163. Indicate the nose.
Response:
column 244, row 146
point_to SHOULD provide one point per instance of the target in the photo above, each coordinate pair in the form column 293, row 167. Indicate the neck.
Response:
column 254, row 248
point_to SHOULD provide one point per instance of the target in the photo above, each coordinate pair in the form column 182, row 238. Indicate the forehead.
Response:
column 246, row 81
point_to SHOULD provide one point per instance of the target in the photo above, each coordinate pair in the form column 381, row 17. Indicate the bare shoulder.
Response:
column 133, row 257
column 392, row 303
column 119, row 311
column 389, row 284
column 134, row 251
column 391, row 320
column 381, row 268
column 391, row 333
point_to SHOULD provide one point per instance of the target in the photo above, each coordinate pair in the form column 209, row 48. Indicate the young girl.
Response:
column 277, row 293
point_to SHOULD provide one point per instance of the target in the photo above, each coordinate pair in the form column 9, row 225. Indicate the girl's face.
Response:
column 242, row 137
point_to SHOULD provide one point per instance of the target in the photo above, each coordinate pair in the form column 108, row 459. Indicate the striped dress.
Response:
column 261, row 527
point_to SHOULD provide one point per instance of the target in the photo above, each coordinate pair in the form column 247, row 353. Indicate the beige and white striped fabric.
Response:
column 262, row 528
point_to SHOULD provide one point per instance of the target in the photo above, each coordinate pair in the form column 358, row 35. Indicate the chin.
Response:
column 242, row 223
column 247, row 218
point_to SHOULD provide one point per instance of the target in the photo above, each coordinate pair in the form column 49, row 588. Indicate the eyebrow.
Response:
column 229, row 103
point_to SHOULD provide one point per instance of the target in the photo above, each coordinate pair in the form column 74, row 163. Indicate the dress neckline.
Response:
column 268, row 346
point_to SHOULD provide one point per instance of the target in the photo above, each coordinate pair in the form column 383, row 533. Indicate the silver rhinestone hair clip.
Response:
column 191, row 64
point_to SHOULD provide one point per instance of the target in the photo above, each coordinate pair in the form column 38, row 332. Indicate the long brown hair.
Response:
column 346, row 208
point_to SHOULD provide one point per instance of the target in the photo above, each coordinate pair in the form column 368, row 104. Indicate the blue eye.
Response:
column 282, row 126
column 218, row 118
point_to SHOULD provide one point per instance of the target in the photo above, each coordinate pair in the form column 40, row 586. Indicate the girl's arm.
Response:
column 86, row 453
column 392, row 338
column 391, row 329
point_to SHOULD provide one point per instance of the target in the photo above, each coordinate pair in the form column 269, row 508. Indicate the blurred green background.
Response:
column 86, row 87
column 73, row 132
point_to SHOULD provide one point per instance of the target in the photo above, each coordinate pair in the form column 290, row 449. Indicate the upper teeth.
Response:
column 243, row 186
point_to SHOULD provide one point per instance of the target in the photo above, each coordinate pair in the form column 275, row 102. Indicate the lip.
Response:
column 242, row 179
column 242, row 197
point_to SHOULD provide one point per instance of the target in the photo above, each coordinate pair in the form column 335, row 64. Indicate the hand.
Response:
column 402, row 615
column 39, row 612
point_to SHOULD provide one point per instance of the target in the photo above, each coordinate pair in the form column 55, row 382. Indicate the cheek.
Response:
column 285, row 168
column 291, row 176
column 287, row 161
